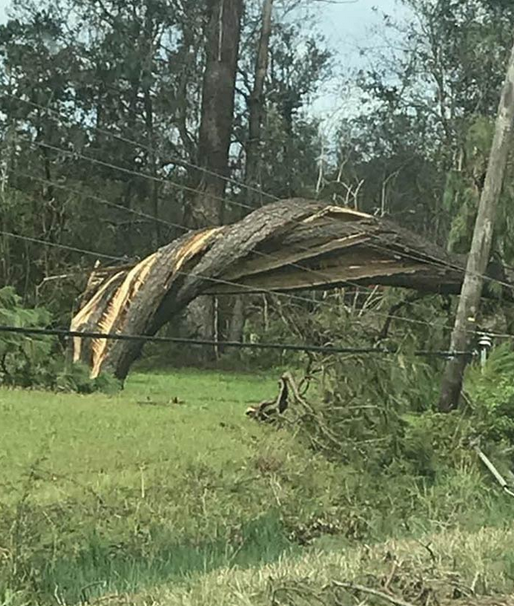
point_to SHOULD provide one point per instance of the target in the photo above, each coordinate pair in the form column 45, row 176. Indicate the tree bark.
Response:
column 223, row 34
column 285, row 246
column 256, row 107
column 147, row 65
column 253, row 145
column 478, row 259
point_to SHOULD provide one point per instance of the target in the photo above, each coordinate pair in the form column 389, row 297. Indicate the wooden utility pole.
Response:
column 478, row 259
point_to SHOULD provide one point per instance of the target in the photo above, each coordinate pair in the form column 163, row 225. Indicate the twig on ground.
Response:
column 371, row 591
column 497, row 475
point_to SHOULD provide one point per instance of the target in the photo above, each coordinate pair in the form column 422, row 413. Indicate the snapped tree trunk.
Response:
column 285, row 246
column 478, row 258
column 222, row 49
column 253, row 145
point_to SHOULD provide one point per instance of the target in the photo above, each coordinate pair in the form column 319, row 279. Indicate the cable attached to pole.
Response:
column 58, row 332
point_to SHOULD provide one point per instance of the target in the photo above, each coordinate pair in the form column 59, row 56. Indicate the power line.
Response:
column 56, row 332
column 61, row 246
column 178, row 185
column 314, row 272
column 214, row 280
column 101, row 162
column 221, row 281
column 266, row 255
column 179, row 272
column 129, row 171
column 97, row 199
column 185, row 188
column 437, row 262
column 440, row 262
column 106, row 202
column 177, row 161
column 207, row 278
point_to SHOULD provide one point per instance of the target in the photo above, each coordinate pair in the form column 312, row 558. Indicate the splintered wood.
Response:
column 286, row 246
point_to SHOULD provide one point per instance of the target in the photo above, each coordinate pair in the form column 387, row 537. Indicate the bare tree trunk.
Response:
column 256, row 106
column 237, row 320
column 478, row 259
column 149, row 42
column 253, row 152
column 223, row 34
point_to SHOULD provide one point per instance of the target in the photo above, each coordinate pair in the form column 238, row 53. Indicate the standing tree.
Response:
column 223, row 33
column 253, row 144
column 256, row 106
column 222, row 38
column 478, row 259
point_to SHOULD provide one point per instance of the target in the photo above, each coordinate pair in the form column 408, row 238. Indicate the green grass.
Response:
column 114, row 493
column 193, row 503
column 99, row 439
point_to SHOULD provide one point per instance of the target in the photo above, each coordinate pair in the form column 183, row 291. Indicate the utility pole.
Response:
column 469, row 302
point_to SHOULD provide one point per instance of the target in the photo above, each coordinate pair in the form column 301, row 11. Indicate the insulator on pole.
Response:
column 485, row 343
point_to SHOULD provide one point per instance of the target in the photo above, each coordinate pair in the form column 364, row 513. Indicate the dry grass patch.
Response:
column 448, row 568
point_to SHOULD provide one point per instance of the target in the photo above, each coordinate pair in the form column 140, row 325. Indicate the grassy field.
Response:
column 167, row 494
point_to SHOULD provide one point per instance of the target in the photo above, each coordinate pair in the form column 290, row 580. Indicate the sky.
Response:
column 345, row 23
column 347, row 27
column 3, row 6
column 344, row 20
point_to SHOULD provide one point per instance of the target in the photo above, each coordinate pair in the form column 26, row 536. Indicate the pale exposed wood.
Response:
column 312, row 246
column 258, row 263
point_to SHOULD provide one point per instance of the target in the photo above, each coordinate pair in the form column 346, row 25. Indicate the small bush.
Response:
column 38, row 361
column 24, row 359
column 491, row 393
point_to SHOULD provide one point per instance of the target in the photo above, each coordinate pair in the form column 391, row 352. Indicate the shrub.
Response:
column 491, row 394
column 38, row 361
column 24, row 359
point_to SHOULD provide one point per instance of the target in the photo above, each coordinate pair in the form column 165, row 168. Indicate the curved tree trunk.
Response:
column 291, row 245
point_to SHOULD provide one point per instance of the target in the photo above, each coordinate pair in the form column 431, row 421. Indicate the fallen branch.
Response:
column 497, row 475
column 282, row 247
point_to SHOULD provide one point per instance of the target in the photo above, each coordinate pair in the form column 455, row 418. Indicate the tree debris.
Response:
column 285, row 246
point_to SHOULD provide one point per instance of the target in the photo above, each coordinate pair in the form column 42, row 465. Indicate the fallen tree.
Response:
column 290, row 245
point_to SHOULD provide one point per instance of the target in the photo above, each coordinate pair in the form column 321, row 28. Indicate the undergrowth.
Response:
column 169, row 480
column 169, row 484
column 35, row 361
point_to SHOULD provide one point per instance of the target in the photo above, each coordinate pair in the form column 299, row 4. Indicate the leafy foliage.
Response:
column 23, row 359
column 38, row 361
column 491, row 390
